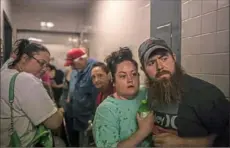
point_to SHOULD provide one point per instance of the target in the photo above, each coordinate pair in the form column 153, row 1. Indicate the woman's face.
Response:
column 127, row 79
column 36, row 64
column 100, row 78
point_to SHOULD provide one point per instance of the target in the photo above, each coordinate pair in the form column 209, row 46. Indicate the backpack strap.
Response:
column 11, row 101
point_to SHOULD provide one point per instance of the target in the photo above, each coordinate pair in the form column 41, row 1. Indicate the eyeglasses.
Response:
column 41, row 63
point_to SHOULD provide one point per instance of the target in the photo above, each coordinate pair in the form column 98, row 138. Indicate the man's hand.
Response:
column 167, row 140
column 68, row 100
column 172, row 140
column 54, row 85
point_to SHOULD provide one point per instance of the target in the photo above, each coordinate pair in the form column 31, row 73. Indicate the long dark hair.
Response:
column 116, row 57
column 24, row 46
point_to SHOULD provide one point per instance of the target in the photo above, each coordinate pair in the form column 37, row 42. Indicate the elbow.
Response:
column 54, row 122
column 55, row 125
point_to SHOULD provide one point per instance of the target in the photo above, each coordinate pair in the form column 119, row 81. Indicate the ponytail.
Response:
column 18, row 51
column 24, row 46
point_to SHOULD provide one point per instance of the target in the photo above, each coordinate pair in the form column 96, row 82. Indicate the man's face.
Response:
column 79, row 63
column 160, row 66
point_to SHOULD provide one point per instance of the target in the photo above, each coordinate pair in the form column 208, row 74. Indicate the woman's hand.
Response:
column 62, row 110
column 145, row 124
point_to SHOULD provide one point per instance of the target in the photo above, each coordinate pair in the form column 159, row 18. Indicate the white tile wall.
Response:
column 223, row 19
column 209, row 22
column 205, row 41
column 208, row 5
column 208, row 43
column 223, row 83
column 194, row 8
column 191, row 45
column 192, row 27
column 222, row 40
column 185, row 11
column 223, row 3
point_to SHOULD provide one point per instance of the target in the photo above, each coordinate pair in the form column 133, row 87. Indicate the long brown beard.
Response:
column 166, row 90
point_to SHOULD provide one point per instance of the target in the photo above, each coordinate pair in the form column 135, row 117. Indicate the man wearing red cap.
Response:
column 82, row 94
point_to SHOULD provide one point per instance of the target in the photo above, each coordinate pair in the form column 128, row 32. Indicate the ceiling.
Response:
column 53, row 4
column 67, row 15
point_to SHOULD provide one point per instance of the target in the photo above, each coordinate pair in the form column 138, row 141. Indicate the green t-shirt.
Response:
column 115, row 120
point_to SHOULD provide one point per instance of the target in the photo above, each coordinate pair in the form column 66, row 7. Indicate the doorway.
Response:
column 7, row 37
column 166, row 23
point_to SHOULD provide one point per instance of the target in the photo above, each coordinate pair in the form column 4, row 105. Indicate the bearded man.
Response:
column 188, row 111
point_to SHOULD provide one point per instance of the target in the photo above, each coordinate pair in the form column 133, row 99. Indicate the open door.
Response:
column 7, row 37
column 166, row 23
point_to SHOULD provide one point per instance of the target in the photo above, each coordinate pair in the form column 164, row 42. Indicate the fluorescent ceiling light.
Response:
column 43, row 24
column 75, row 40
column 70, row 39
column 49, row 24
column 35, row 39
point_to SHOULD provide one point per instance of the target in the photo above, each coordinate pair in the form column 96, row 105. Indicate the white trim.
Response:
column 83, row 56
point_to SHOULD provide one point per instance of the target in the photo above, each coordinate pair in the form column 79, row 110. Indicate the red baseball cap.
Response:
column 73, row 55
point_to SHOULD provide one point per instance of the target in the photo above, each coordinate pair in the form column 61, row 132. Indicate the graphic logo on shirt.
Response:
column 164, row 123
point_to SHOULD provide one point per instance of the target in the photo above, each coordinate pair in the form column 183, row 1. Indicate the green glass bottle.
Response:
column 143, row 109
column 143, row 112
